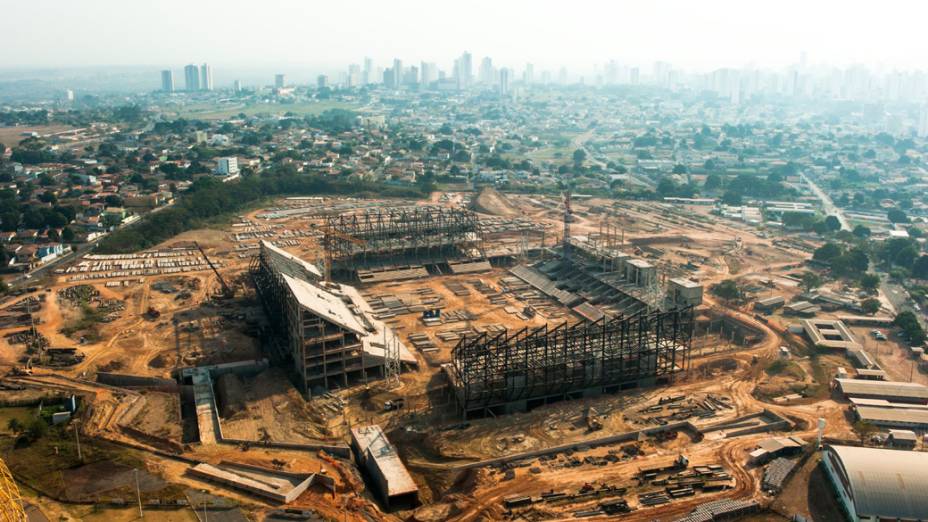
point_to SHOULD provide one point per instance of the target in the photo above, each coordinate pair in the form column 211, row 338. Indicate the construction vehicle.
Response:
column 25, row 369
column 227, row 291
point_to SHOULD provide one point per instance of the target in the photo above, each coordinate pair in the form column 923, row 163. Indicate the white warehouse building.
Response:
column 874, row 484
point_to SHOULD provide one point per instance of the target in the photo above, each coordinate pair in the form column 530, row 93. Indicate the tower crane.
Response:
column 227, row 291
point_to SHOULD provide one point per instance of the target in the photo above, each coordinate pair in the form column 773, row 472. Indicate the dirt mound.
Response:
column 489, row 201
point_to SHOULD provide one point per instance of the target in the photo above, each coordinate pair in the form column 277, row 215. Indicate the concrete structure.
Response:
column 191, row 78
column 280, row 81
column 227, row 166
column 277, row 486
column 878, row 484
column 167, row 80
column 829, row 334
column 374, row 453
column 322, row 81
column 684, row 292
column 640, row 272
column 892, row 391
column 328, row 329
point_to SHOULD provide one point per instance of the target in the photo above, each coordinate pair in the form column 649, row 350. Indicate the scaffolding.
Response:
column 517, row 371
column 388, row 235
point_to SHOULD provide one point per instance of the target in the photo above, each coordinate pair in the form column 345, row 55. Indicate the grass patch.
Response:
column 783, row 367
column 87, row 322
column 208, row 111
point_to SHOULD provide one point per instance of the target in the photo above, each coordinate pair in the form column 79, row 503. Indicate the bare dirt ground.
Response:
column 11, row 136
column 198, row 329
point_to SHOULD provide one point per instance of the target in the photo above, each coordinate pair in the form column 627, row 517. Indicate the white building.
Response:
column 227, row 166
column 206, row 77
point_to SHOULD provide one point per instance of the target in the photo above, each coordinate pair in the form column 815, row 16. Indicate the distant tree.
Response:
column 870, row 306
column 827, row 252
column 732, row 198
column 832, row 223
column 897, row 216
column 920, row 267
column 579, row 156
column 713, row 182
column 679, row 168
column 15, row 426
column 67, row 235
column 869, row 282
column 911, row 328
column 810, row 281
column 862, row 231
column 727, row 290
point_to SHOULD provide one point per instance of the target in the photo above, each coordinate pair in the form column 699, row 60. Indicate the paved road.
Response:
column 827, row 204
column 901, row 299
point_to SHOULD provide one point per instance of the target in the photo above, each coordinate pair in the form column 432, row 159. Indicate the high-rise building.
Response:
column 167, row 80
column 192, row 78
column 411, row 76
column 367, row 75
column 528, row 77
column 280, row 81
column 562, row 76
column 428, row 73
column 227, row 166
column 322, row 81
column 397, row 73
column 354, row 75
column 923, row 122
column 486, row 74
column 464, row 70
column 237, row 86
column 206, row 77
column 504, row 81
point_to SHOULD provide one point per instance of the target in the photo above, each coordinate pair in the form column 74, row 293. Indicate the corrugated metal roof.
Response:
column 886, row 483
column 886, row 388
column 893, row 415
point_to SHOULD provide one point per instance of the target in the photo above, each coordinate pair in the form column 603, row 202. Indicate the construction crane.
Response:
column 329, row 234
column 11, row 502
column 227, row 291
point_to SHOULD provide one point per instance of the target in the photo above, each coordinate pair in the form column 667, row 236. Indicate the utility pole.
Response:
column 138, row 492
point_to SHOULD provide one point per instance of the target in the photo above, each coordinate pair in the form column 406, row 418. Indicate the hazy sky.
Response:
column 694, row 34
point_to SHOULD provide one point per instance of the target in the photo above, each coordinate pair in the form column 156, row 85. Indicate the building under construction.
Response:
column 330, row 336
column 521, row 370
column 396, row 236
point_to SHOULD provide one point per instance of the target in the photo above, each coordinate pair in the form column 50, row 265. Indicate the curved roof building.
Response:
column 879, row 484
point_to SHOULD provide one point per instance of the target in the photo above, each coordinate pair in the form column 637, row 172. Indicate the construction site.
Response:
column 471, row 357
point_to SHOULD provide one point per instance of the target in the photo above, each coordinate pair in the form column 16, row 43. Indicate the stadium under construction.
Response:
column 331, row 337
column 521, row 370
column 397, row 237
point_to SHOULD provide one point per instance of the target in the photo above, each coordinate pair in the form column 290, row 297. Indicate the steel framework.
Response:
column 360, row 237
column 522, row 369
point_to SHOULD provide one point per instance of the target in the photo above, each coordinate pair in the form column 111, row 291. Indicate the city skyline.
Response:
column 695, row 37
